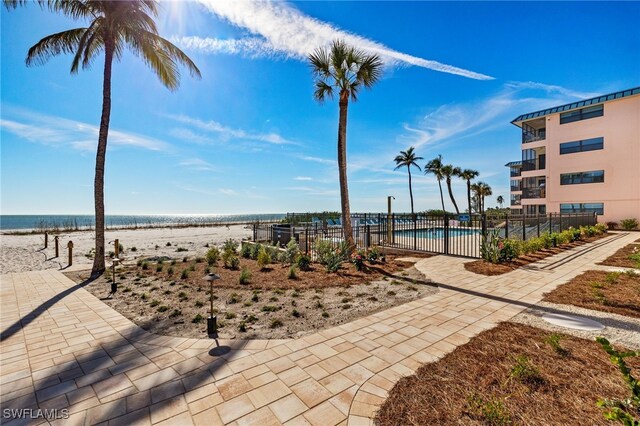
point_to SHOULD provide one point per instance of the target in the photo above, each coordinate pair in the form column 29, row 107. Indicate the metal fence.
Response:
column 459, row 235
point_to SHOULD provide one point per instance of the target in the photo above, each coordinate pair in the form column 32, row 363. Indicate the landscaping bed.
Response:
column 627, row 257
column 510, row 375
column 616, row 292
column 487, row 268
column 159, row 296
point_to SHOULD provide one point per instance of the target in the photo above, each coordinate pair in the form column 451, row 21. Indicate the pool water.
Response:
column 436, row 233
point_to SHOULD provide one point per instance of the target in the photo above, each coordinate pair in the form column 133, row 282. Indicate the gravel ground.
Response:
column 618, row 329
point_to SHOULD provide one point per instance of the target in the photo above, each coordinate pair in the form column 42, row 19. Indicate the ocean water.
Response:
column 25, row 222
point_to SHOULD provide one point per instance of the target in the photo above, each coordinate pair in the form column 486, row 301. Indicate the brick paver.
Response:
column 62, row 348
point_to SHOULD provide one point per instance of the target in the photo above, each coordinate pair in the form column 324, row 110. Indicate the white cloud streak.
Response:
column 198, row 164
column 225, row 133
column 57, row 131
column 288, row 32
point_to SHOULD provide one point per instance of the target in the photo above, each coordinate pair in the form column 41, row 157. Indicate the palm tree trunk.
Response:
column 410, row 191
column 98, row 184
column 469, row 194
column 342, row 170
column 451, row 196
column 441, row 196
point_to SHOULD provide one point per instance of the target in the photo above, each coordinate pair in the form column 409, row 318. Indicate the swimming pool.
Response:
column 436, row 233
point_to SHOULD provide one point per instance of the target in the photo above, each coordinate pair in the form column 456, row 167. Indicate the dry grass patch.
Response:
column 510, row 375
column 627, row 257
column 616, row 292
column 483, row 267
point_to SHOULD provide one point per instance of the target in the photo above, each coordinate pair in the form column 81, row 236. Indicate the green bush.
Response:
column 276, row 323
column 489, row 249
column 324, row 250
column 374, row 254
column 525, row 372
column 292, row 272
column 197, row 319
column 509, row 250
column 255, row 250
column 303, row 261
column 333, row 262
column 245, row 251
column 230, row 245
column 629, row 224
column 291, row 252
column 185, row 274
column 264, row 258
column 245, row 276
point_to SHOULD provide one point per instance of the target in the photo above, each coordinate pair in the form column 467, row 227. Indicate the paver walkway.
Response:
column 64, row 349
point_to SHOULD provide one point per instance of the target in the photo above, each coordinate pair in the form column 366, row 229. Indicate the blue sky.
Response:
column 249, row 138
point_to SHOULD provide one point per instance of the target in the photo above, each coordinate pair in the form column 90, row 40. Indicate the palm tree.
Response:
column 468, row 175
column 113, row 25
column 500, row 200
column 448, row 171
column 345, row 69
column 408, row 158
column 481, row 190
column 434, row 167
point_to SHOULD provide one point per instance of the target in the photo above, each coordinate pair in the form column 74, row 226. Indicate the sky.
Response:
column 248, row 137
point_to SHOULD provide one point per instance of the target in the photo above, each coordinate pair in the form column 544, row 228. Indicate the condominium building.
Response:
column 580, row 157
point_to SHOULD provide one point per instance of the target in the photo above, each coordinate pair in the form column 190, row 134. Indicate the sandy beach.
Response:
column 20, row 253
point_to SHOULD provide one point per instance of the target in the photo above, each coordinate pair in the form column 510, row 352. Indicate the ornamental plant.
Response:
column 357, row 258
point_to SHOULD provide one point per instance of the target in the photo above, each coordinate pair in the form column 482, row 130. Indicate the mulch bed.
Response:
column 614, row 292
column 621, row 257
column 483, row 267
column 473, row 385
column 269, row 306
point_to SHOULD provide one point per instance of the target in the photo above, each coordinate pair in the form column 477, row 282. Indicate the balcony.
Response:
column 534, row 131
column 515, row 173
column 515, row 200
column 529, row 193
column 539, row 163
column 516, row 186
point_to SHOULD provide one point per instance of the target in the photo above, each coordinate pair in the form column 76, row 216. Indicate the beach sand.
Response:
column 19, row 253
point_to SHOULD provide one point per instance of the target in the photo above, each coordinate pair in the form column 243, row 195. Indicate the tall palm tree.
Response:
column 408, row 158
column 113, row 26
column 468, row 175
column 345, row 69
column 481, row 190
column 500, row 200
column 449, row 171
column 434, row 167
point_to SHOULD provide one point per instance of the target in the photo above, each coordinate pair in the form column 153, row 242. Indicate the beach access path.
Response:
column 64, row 349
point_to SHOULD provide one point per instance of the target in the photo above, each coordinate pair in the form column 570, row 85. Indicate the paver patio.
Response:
column 62, row 348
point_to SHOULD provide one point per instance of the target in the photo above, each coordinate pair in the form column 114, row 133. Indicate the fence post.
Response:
column 255, row 232
column 446, row 234
column 116, row 248
column 55, row 240
column 70, row 248
column 46, row 239
column 538, row 223
column 415, row 232
column 560, row 229
column 367, row 237
column 550, row 222
column 392, row 228
column 524, row 226
column 306, row 240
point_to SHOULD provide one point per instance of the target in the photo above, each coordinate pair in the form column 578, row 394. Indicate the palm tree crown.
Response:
column 434, row 167
column 345, row 69
column 468, row 175
column 408, row 159
column 481, row 190
column 113, row 26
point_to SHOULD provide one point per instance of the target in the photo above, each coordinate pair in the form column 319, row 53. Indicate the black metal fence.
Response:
column 459, row 235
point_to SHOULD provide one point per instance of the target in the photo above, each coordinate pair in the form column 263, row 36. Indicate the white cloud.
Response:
column 227, row 191
column 225, row 133
column 288, row 32
column 198, row 164
column 58, row 131
column 306, row 178
column 317, row 160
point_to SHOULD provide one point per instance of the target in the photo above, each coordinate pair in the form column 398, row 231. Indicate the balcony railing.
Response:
column 516, row 188
column 537, row 164
column 531, row 134
column 533, row 193
column 515, row 201
column 515, row 172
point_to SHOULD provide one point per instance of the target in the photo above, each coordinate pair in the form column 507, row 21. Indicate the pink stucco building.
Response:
column 580, row 157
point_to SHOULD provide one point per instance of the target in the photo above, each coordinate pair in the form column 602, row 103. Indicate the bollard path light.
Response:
column 212, row 326
column 114, row 285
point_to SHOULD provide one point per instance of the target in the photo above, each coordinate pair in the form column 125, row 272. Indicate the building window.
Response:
column 582, row 114
column 593, row 144
column 582, row 177
column 597, row 208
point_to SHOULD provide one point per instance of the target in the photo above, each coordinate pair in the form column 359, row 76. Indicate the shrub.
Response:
column 509, row 250
column 264, row 258
column 292, row 272
column 170, row 270
column 245, row 276
column 323, row 249
column 295, row 313
column 199, row 259
column 230, row 245
column 181, row 249
column 234, row 262
column 213, row 255
column 139, row 263
column 635, row 257
column 333, row 262
column 276, row 323
column 325, row 314
column 162, row 308
column 229, row 315
column 629, row 224
column 622, row 410
column 291, row 252
column 602, row 228
column 198, row 304
column 270, row 308
column 357, row 258
column 255, row 250
column 159, row 267
column 255, row 298
column 242, row 328
column 233, row 298
column 145, row 265
column 185, row 274
column 304, row 261
column 197, row 319
column 374, row 254
column 245, row 251
column 611, row 225
column 489, row 249
column 525, row 372
column 176, row 313
column 183, row 296
column 554, row 341
column 168, row 244
column 134, row 248
column 154, row 303
column 492, row 411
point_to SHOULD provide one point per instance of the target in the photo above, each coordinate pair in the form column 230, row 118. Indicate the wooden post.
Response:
column 116, row 244
column 46, row 239
column 55, row 240
column 70, row 248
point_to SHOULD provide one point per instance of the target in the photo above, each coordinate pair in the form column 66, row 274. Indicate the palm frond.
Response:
column 320, row 63
column 62, row 42
column 323, row 91
column 84, row 51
